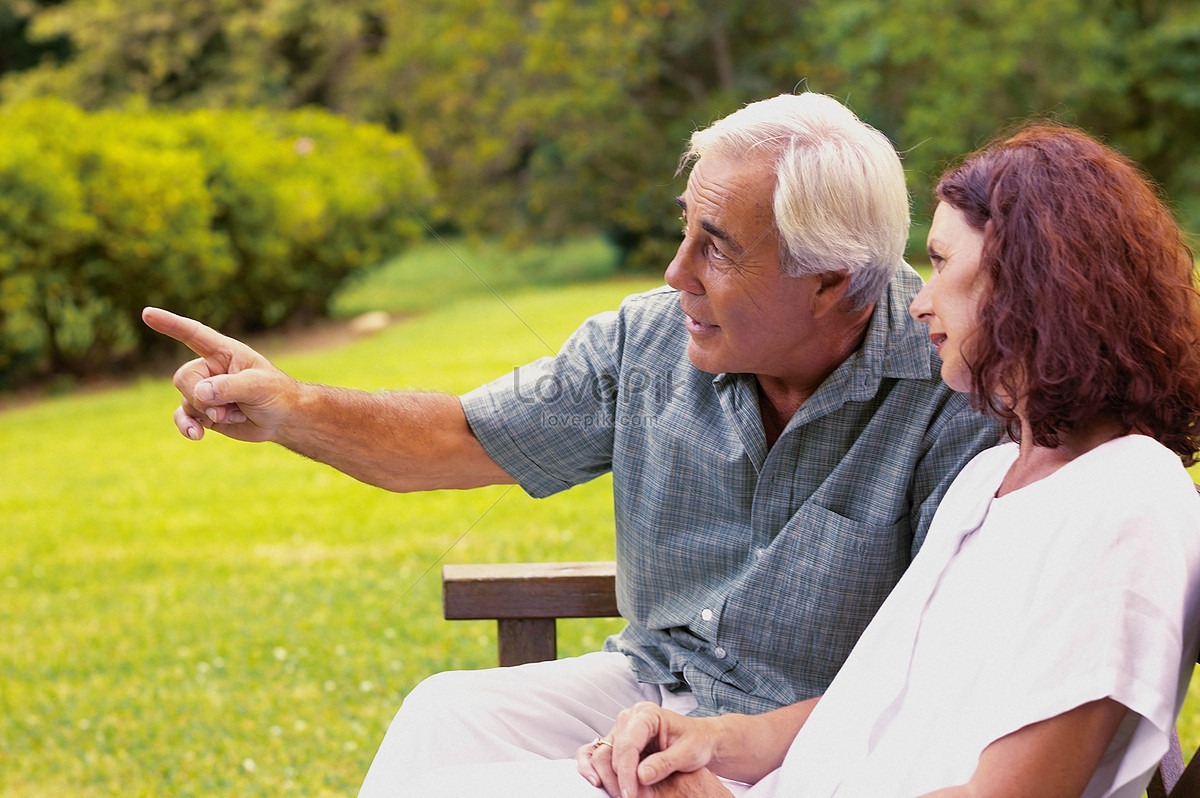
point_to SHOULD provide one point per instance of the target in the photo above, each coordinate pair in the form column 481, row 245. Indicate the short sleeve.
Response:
column 1114, row 616
column 549, row 424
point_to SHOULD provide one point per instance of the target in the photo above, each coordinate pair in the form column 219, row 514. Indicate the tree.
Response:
column 202, row 53
column 17, row 51
column 943, row 76
column 545, row 117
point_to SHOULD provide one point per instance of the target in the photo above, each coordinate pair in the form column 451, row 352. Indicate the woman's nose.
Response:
column 921, row 309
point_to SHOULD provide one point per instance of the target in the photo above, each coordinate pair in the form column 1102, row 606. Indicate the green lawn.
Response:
column 438, row 273
column 191, row 619
column 184, row 618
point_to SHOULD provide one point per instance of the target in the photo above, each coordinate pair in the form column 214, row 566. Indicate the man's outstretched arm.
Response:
column 399, row 441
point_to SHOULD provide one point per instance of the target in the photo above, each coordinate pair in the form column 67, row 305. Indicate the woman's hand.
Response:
column 647, row 744
column 697, row 784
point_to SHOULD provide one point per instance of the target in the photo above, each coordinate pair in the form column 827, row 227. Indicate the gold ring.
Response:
column 599, row 741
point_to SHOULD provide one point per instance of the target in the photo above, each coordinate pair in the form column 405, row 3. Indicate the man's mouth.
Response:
column 938, row 339
column 697, row 326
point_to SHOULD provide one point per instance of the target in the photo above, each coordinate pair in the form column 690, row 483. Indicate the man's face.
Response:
column 743, row 315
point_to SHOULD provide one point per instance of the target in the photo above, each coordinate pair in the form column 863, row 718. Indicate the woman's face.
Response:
column 949, row 302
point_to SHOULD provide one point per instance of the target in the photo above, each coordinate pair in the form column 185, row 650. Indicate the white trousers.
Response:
column 507, row 731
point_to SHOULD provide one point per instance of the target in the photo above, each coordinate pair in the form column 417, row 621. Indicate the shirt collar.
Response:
column 896, row 344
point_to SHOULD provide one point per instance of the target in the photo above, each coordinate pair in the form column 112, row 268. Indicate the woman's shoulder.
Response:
column 1138, row 470
column 1129, row 499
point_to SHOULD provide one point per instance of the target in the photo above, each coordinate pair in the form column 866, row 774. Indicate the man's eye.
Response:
column 717, row 255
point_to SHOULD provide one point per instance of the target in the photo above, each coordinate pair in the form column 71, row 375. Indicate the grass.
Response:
column 438, row 273
column 217, row 618
column 189, row 619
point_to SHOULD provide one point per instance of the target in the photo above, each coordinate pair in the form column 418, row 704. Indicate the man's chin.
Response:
column 705, row 361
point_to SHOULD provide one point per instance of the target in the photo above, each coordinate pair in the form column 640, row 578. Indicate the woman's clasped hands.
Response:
column 646, row 747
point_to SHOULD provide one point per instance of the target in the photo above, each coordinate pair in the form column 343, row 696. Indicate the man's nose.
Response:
column 681, row 271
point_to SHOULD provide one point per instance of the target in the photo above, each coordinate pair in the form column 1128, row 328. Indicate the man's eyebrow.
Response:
column 717, row 232
column 710, row 228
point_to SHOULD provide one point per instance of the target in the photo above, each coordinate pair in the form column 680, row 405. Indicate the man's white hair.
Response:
column 840, row 201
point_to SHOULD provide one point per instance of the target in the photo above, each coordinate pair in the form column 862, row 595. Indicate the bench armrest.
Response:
column 526, row 598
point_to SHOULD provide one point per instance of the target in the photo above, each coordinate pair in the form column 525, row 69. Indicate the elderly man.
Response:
column 774, row 422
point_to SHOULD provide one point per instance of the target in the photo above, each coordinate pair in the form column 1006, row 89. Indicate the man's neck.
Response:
column 779, row 397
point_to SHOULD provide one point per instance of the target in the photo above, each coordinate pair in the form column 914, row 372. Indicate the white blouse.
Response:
column 1081, row 586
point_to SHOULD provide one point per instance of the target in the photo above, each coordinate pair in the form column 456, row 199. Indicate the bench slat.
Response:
column 529, row 590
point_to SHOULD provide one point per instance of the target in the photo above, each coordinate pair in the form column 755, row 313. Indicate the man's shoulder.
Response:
column 645, row 316
column 902, row 343
column 657, row 301
column 646, row 328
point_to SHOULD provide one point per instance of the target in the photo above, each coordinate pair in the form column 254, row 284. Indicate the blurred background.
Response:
column 283, row 145
column 198, row 619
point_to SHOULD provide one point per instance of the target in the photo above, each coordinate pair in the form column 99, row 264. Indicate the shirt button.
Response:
column 759, row 553
column 706, row 614
column 720, row 652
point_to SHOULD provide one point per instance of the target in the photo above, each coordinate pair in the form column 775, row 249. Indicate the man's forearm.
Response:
column 395, row 440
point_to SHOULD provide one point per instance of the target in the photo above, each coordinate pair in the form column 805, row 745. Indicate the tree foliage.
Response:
column 544, row 117
column 17, row 50
column 199, row 52
column 245, row 218
column 943, row 76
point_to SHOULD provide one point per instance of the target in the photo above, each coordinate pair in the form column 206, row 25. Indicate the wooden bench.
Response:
column 526, row 599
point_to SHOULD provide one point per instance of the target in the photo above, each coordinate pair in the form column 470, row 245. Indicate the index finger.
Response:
column 204, row 341
column 628, row 749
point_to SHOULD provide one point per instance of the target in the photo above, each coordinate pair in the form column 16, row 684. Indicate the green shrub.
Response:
column 246, row 218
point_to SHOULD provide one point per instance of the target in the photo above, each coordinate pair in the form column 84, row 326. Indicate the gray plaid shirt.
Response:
column 746, row 574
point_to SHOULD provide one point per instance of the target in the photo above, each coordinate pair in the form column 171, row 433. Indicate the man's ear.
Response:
column 831, row 289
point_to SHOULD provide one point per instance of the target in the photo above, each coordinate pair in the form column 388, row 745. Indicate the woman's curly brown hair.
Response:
column 1091, row 311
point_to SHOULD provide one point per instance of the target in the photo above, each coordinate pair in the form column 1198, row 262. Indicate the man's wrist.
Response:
column 300, row 408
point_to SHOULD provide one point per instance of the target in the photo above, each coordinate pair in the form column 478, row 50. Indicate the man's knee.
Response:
column 451, row 692
column 543, row 710
column 602, row 682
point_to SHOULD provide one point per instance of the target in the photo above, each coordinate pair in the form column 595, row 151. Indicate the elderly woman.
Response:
column 1041, row 642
